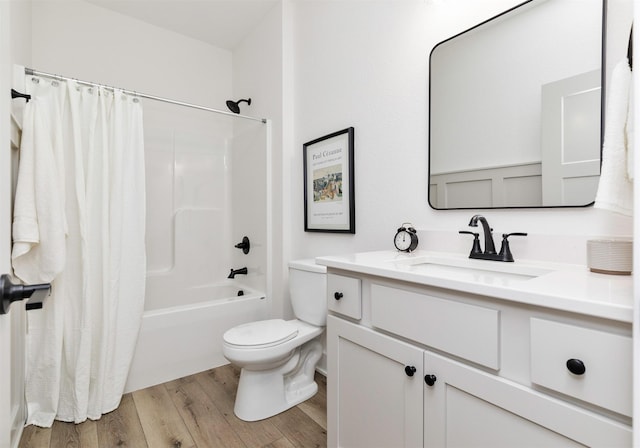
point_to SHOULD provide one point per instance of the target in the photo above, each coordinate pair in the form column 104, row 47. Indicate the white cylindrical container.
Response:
column 610, row 255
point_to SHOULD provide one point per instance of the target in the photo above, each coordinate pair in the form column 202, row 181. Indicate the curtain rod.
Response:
column 32, row 72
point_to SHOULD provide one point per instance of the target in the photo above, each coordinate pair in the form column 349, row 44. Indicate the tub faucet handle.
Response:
column 245, row 245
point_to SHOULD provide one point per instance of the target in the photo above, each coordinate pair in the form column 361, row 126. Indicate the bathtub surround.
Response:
column 80, row 344
column 202, row 201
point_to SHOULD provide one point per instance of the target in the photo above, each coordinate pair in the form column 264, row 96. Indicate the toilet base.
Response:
column 262, row 394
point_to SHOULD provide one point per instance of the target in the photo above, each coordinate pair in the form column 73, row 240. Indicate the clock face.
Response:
column 403, row 240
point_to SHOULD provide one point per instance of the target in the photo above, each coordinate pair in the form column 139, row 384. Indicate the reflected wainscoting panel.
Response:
column 505, row 186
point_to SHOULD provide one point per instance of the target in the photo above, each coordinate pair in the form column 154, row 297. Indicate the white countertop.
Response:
column 564, row 287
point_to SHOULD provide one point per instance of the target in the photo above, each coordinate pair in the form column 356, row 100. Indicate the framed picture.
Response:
column 329, row 197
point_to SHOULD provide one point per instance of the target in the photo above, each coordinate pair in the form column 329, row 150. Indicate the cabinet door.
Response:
column 374, row 389
column 467, row 407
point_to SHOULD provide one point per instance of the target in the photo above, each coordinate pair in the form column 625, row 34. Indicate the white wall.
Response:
column 365, row 64
column 20, row 32
column 84, row 41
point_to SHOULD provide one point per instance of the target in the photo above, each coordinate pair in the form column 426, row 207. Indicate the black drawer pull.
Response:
column 409, row 370
column 430, row 380
column 338, row 295
column 576, row 366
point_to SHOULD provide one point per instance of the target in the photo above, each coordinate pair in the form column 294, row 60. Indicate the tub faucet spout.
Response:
column 235, row 272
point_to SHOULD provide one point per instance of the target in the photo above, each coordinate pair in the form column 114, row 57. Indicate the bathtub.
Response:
column 177, row 341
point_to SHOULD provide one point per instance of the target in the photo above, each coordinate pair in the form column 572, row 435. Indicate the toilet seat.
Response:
column 261, row 334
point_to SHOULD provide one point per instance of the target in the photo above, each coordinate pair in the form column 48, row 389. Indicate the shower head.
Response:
column 234, row 106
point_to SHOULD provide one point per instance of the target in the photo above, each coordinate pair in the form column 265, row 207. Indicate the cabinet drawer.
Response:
column 607, row 360
column 343, row 295
column 464, row 330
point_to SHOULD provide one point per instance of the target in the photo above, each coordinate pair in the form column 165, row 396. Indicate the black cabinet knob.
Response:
column 576, row 366
column 430, row 380
column 337, row 295
column 409, row 370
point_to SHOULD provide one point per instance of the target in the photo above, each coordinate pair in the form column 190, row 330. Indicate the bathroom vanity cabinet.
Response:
column 417, row 360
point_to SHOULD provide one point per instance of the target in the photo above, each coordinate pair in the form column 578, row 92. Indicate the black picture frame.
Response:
column 329, row 194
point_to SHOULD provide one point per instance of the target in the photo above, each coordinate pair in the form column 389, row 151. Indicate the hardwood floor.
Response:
column 196, row 411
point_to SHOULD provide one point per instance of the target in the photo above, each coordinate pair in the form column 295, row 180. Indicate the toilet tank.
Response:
column 308, row 291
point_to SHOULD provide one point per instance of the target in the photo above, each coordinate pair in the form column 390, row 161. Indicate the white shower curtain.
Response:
column 79, row 223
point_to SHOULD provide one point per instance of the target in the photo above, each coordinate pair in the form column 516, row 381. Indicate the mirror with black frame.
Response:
column 515, row 109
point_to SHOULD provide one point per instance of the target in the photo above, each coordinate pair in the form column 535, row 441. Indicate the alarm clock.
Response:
column 406, row 239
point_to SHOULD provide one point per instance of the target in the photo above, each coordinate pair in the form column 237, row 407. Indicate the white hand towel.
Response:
column 615, row 190
column 38, row 253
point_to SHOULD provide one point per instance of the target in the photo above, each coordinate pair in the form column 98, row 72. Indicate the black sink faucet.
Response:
column 235, row 272
column 489, row 246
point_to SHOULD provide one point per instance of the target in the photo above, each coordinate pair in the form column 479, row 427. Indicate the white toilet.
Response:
column 278, row 358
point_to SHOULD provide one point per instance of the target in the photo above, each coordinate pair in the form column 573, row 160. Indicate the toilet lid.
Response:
column 261, row 333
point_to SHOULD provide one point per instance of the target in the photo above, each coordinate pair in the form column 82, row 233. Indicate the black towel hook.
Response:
column 16, row 94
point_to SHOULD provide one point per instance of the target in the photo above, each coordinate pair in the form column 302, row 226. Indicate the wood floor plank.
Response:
column 35, row 437
column 299, row 429
column 205, row 422
column 71, row 435
column 220, row 385
column 171, row 385
column 316, row 406
column 122, row 427
column 228, row 376
column 280, row 443
column 160, row 420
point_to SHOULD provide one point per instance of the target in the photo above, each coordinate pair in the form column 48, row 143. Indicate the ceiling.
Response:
column 222, row 23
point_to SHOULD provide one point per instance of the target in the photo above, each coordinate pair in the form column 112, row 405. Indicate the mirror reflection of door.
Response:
column 570, row 140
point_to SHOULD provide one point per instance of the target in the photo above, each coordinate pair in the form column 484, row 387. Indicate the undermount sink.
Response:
column 471, row 270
